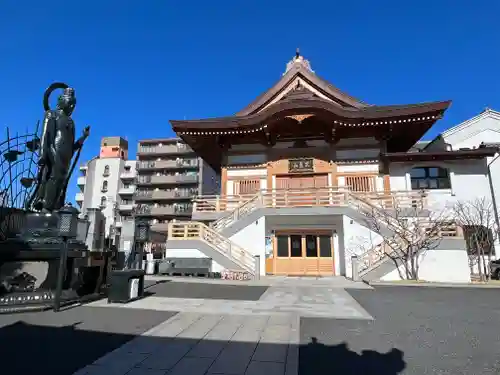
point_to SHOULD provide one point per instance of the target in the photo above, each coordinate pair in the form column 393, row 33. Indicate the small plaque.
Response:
column 301, row 165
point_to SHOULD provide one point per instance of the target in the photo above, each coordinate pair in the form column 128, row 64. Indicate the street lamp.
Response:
column 67, row 227
column 141, row 237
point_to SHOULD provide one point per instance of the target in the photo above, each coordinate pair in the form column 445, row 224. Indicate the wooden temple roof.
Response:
column 302, row 104
column 477, row 153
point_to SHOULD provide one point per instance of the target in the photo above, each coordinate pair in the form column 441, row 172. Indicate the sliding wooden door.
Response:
column 303, row 253
column 299, row 190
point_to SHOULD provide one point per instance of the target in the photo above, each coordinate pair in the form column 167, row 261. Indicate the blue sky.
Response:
column 137, row 64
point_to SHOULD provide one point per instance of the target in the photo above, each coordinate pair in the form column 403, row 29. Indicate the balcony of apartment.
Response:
column 171, row 179
column 126, row 190
column 167, row 164
column 164, row 210
column 81, row 180
column 166, row 149
column 79, row 197
column 126, row 205
column 153, row 195
column 128, row 175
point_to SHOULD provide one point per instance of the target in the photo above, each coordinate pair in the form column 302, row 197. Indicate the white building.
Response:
column 108, row 182
column 304, row 166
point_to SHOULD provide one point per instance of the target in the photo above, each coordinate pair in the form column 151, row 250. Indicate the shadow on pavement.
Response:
column 318, row 358
column 32, row 349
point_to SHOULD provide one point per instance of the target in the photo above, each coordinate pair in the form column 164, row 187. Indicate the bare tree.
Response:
column 408, row 229
column 477, row 219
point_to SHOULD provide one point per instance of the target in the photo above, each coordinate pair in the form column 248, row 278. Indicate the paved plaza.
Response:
column 270, row 327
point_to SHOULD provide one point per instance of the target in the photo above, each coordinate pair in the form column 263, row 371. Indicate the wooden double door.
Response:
column 302, row 253
column 300, row 190
column 302, row 182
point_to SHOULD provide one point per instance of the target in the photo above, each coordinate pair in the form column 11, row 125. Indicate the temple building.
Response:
column 305, row 164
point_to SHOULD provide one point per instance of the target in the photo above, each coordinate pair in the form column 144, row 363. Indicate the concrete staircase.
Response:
column 196, row 235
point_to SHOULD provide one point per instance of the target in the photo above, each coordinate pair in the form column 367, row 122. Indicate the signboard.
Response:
column 301, row 165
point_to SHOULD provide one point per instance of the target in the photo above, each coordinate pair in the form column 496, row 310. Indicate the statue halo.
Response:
column 49, row 90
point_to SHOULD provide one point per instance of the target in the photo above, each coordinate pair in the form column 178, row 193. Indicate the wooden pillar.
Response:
column 387, row 183
column 223, row 180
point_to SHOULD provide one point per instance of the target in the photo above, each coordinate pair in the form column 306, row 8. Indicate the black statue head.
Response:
column 67, row 101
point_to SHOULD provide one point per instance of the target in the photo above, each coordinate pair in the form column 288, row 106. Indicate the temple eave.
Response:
column 441, row 156
column 326, row 111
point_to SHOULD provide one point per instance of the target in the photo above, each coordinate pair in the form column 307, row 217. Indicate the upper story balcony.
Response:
column 79, row 197
column 126, row 206
column 162, row 194
column 129, row 190
column 167, row 210
column 167, row 164
column 81, row 180
column 166, row 149
column 172, row 179
column 128, row 175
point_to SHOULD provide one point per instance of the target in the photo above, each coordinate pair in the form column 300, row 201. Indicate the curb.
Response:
column 434, row 285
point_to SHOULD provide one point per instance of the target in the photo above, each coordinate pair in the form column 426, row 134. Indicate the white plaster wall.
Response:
column 356, row 240
column 470, row 134
column 247, row 172
column 468, row 181
column 253, row 239
column 450, row 266
column 358, row 168
column 192, row 253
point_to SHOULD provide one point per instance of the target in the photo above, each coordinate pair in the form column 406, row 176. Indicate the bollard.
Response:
column 355, row 268
column 257, row 267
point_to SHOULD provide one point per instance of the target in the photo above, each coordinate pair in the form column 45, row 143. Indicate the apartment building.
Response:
column 107, row 182
column 169, row 176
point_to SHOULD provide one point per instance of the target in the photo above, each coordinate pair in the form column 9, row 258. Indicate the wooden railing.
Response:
column 379, row 252
column 238, row 206
column 332, row 196
column 194, row 230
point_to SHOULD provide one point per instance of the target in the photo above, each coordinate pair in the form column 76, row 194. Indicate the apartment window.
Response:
column 127, row 168
column 104, row 186
column 106, row 170
column 430, row 178
column 103, row 202
column 126, row 186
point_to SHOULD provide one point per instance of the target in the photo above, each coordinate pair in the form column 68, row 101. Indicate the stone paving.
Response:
column 299, row 300
column 196, row 344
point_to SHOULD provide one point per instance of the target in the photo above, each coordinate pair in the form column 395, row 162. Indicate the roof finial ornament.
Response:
column 298, row 61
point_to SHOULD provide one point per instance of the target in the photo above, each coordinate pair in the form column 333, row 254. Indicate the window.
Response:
column 104, row 186
column 311, row 246
column 295, row 245
column 127, row 168
column 282, row 246
column 106, row 171
column 429, row 178
column 103, row 202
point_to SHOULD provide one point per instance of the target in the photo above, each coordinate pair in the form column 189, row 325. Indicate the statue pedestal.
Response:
column 29, row 264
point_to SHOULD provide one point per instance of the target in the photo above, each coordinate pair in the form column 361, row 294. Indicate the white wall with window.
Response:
column 446, row 182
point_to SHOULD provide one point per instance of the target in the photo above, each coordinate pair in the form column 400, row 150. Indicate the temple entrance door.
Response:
column 299, row 190
column 302, row 253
